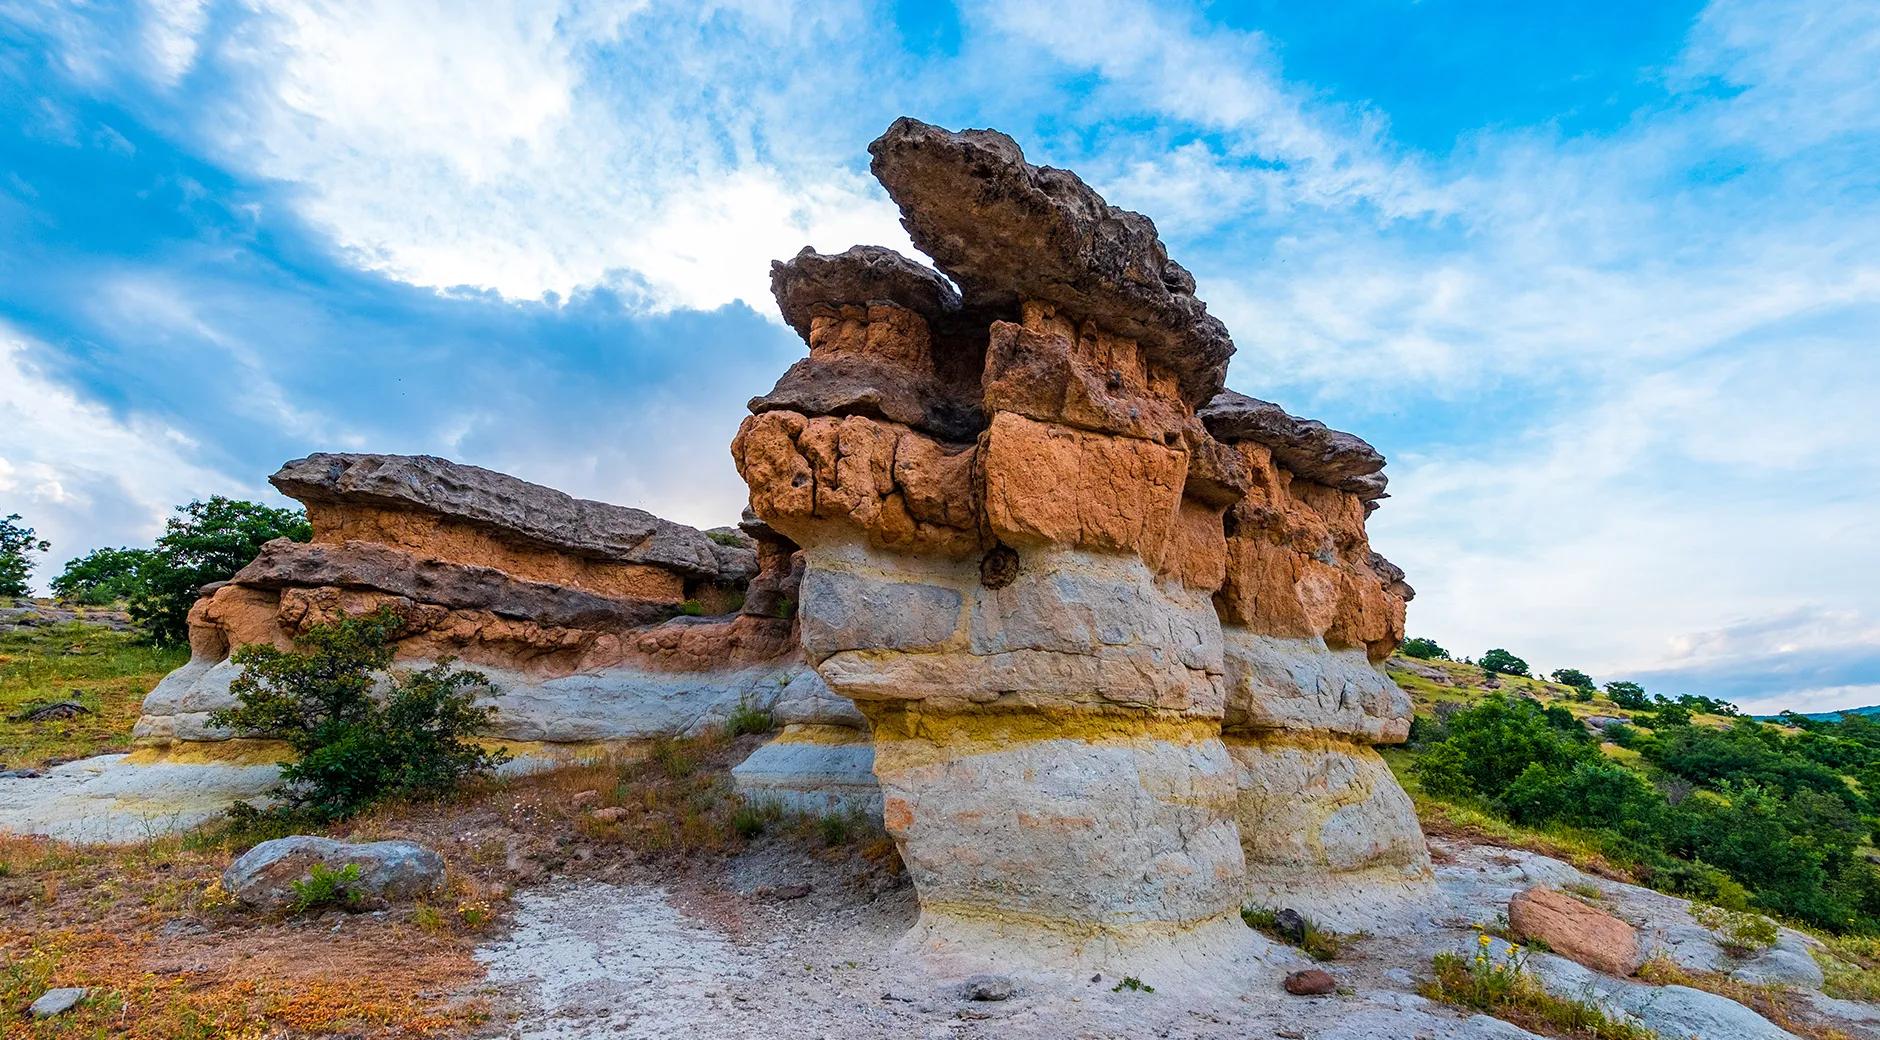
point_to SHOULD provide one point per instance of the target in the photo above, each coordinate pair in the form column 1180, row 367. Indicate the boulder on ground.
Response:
column 1312, row 982
column 57, row 1001
column 1575, row 930
column 389, row 871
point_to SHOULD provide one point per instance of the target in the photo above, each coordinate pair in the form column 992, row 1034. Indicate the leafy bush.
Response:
column 1575, row 678
column 1742, row 934
column 360, row 738
column 325, row 886
column 1628, row 695
column 17, row 544
column 1423, row 650
column 206, row 542
column 103, row 576
column 1501, row 662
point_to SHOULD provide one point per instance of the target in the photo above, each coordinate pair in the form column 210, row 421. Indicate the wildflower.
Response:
column 1482, row 940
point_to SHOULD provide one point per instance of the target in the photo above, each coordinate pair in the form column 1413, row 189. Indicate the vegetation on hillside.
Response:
column 1688, row 796
column 103, row 674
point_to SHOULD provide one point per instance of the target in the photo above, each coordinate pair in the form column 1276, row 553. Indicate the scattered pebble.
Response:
column 58, row 1001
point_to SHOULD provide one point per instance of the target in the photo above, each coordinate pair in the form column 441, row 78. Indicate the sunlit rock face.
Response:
column 1113, row 629
column 599, row 624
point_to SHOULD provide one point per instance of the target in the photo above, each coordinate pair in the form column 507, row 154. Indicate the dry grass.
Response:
column 107, row 672
column 149, row 931
column 1771, row 1002
column 1851, row 966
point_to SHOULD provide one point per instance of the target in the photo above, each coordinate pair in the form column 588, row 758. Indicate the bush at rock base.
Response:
column 359, row 743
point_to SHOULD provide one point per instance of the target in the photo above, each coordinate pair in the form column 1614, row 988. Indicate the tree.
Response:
column 361, row 738
column 205, row 542
column 1424, row 650
column 17, row 544
column 103, row 576
column 1575, row 678
column 1628, row 695
column 1501, row 662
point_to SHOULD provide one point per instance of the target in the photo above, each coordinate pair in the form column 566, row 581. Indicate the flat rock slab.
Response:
column 109, row 799
column 527, row 512
column 1576, row 930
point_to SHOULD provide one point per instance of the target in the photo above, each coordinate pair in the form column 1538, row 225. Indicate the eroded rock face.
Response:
column 598, row 624
column 1118, row 656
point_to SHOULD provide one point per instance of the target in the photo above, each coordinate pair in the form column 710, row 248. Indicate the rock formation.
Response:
column 1115, row 632
column 599, row 623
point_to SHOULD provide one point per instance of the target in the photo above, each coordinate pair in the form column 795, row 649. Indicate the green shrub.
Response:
column 1741, row 933
column 1629, row 695
column 1423, row 650
column 206, row 542
column 325, row 886
column 1575, row 678
column 1133, row 985
column 726, row 538
column 17, row 544
column 1501, row 662
column 359, row 743
column 748, row 718
column 103, row 576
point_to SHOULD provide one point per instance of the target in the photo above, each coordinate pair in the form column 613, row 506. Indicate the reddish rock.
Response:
column 1575, row 930
column 1312, row 982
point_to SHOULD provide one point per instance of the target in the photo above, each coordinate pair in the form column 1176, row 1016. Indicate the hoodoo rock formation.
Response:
column 1114, row 631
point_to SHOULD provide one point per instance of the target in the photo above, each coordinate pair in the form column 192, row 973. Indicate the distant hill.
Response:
column 1827, row 716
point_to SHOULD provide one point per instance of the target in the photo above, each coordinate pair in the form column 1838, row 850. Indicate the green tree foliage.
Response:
column 1501, row 662
column 17, row 546
column 1628, row 695
column 103, row 576
column 205, row 542
column 1423, row 650
column 1770, row 820
column 1575, row 678
column 362, row 731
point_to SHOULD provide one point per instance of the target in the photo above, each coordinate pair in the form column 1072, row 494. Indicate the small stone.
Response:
column 609, row 814
column 1312, row 982
column 583, row 799
column 988, row 987
column 1290, row 925
column 779, row 893
column 58, row 1001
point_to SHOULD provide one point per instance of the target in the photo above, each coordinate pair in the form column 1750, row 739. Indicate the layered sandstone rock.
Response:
column 598, row 623
column 1117, row 651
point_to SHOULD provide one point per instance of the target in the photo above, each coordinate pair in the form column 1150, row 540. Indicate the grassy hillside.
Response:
column 1745, row 813
column 106, row 673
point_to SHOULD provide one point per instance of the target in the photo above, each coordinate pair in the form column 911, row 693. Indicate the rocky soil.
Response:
column 738, row 956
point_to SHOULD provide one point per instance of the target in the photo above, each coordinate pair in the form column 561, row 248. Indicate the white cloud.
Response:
column 81, row 476
column 536, row 148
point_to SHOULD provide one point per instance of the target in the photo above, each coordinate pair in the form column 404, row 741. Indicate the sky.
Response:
column 1602, row 280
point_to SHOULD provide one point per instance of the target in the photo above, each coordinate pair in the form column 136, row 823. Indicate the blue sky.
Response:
column 1602, row 280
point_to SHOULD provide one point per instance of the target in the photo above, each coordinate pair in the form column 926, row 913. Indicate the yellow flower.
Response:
column 1483, row 940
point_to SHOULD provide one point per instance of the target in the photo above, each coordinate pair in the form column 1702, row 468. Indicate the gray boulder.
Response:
column 389, row 871
column 57, row 1001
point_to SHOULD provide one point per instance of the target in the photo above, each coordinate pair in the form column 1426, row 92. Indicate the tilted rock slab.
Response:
column 1118, row 660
